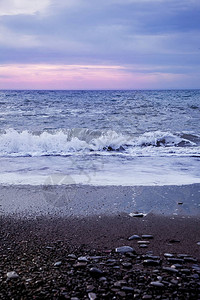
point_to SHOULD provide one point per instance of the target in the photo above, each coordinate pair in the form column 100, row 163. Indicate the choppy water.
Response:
column 100, row 137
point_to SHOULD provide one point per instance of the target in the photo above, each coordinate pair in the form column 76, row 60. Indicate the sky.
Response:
column 99, row 44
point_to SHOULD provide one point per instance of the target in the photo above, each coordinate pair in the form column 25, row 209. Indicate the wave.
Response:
column 70, row 141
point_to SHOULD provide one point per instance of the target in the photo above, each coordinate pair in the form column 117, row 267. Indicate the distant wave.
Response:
column 70, row 141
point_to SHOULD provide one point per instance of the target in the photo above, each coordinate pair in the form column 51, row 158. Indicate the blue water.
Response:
column 100, row 137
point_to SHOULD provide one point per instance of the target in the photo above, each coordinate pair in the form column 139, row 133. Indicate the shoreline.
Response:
column 88, row 200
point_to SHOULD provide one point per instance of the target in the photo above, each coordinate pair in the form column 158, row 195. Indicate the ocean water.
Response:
column 100, row 137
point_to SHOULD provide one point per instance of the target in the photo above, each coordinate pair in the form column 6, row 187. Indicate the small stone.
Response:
column 121, row 294
column 170, row 270
column 151, row 262
column 90, row 288
column 134, row 237
column 157, row 284
column 73, row 256
column 119, row 283
column 176, row 266
column 143, row 242
column 127, row 265
column 95, row 272
column 83, row 259
column 198, row 243
column 196, row 267
column 147, row 236
column 168, row 255
column 92, row 296
column 150, row 256
column 190, row 259
column 174, row 281
column 175, row 260
column 143, row 246
column 57, row 264
column 102, row 278
column 185, row 271
column 147, row 297
column 12, row 275
column 138, row 215
column 80, row 265
column 173, row 241
column 127, row 289
column 124, row 249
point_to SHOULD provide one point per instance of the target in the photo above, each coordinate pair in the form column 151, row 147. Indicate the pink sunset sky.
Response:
column 129, row 44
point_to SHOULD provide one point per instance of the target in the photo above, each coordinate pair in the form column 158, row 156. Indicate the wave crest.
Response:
column 66, row 142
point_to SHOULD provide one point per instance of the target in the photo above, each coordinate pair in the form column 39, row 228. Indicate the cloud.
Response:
column 15, row 7
column 149, row 33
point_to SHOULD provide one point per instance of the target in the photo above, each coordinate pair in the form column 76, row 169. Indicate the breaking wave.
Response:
column 68, row 142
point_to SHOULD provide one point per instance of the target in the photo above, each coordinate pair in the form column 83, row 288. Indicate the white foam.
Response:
column 141, row 171
column 65, row 142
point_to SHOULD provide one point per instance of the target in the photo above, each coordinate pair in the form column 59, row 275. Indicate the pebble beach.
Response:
column 102, row 256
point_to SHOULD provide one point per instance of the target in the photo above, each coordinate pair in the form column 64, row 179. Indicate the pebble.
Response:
column 124, row 249
column 175, row 260
column 95, row 272
column 147, row 297
column 92, row 296
column 139, row 215
column 127, row 265
column 173, row 241
column 190, row 259
column 147, row 236
column 80, row 265
column 143, row 246
column 143, row 242
column 83, row 259
column 168, row 255
column 157, row 284
column 12, row 275
column 198, row 243
column 151, row 262
column 57, row 264
column 134, row 237
column 127, row 289
column 170, row 270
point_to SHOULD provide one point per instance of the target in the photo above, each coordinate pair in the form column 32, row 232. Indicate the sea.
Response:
column 128, row 138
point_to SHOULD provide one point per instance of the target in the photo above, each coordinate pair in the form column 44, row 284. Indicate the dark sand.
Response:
column 31, row 246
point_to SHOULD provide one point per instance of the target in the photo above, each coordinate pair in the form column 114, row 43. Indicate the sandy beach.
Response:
column 62, row 255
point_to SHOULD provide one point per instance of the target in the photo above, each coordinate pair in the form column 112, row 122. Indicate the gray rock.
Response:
column 95, row 272
column 57, row 264
column 151, row 262
column 169, row 255
column 170, row 270
column 127, row 289
column 83, row 259
column 157, row 284
column 136, row 215
column 12, row 275
column 143, row 246
column 124, row 249
column 92, row 296
column 175, row 260
column 143, row 242
column 147, row 236
column 134, row 237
